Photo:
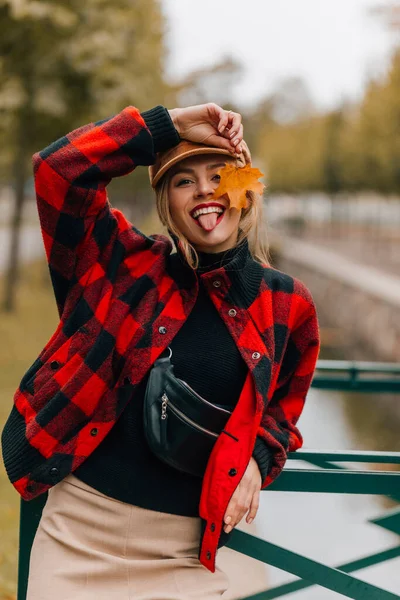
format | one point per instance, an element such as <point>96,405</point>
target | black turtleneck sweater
<point>206,357</point>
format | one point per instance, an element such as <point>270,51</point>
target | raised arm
<point>71,176</point>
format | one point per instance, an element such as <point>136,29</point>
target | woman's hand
<point>245,498</point>
<point>211,125</point>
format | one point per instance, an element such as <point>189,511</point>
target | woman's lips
<point>208,220</point>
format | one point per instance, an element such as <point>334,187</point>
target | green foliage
<point>351,148</point>
<point>66,62</point>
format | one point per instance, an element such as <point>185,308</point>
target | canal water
<point>331,528</point>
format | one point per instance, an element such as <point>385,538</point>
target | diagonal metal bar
<point>389,521</point>
<point>300,584</point>
<point>308,569</point>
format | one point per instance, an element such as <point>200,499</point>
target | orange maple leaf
<point>236,181</point>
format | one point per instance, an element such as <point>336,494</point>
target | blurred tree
<point>63,62</point>
<point>278,129</point>
<point>331,155</point>
<point>257,122</point>
<point>355,147</point>
<point>292,101</point>
<point>371,142</point>
<point>213,83</point>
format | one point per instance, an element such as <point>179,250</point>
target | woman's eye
<point>217,177</point>
<point>183,182</point>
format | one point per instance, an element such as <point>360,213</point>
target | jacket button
<point>94,431</point>
<point>232,472</point>
<point>54,472</point>
<point>217,283</point>
<point>212,526</point>
<point>54,364</point>
<point>208,555</point>
<point>232,312</point>
<point>255,355</point>
<point>162,330</point>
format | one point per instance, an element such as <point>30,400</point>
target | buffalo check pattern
<point>119,309</point>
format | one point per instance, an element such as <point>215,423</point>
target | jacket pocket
<point>42,372</point>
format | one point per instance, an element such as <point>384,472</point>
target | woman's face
<point>209,225</point>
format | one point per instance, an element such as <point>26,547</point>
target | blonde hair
<point>252,226</point>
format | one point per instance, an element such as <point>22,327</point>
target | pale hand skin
<point>211,125</point>
<point>246,498</point>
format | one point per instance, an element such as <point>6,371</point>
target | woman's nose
<point>204,188</point>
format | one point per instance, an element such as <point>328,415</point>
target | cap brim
<point>193,152</point>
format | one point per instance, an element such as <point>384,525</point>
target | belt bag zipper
<point>215,406</point>
<point>167,403</point>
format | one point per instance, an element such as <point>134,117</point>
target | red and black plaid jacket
<point>119,309</point>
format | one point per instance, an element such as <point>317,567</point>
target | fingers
<point>237,138</point>
<point>239,505</point>
<point>235,125</point>
<point>229,125</point>
<point>237,511</point>
<point>245,498</point>
<point>255,503</point>
<point>221,142</point>
<point>223,121</point>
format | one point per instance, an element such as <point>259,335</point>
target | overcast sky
<point>335,45</point>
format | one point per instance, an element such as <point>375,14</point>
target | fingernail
<point>228,520</point>
<point>228,529</point>
<point>250,520</point>
<point>231,135</point>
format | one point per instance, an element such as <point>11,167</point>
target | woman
<point>118,521</point>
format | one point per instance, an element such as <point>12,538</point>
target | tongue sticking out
<point>208,221</point>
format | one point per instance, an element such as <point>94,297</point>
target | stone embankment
<point>362,301</point>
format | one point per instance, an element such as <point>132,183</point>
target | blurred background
<point>318,85</point>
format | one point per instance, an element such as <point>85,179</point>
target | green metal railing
<point>357,376</point>
<point>326,476</point>
<point>329,478</point>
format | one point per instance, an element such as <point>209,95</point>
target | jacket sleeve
<point>278,434</point>
<point>71,176</point>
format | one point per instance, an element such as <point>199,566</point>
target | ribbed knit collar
<point>244,272</point>
<point>232,258</point>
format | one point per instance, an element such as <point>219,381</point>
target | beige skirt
<point>89,546</point>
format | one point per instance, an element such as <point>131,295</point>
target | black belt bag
<point>180,426</point>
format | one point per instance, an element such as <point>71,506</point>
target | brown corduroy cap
<point>169,158</point>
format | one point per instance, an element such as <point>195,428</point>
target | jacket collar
<point>238,266</point>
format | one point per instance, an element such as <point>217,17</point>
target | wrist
<point>174,114</point>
